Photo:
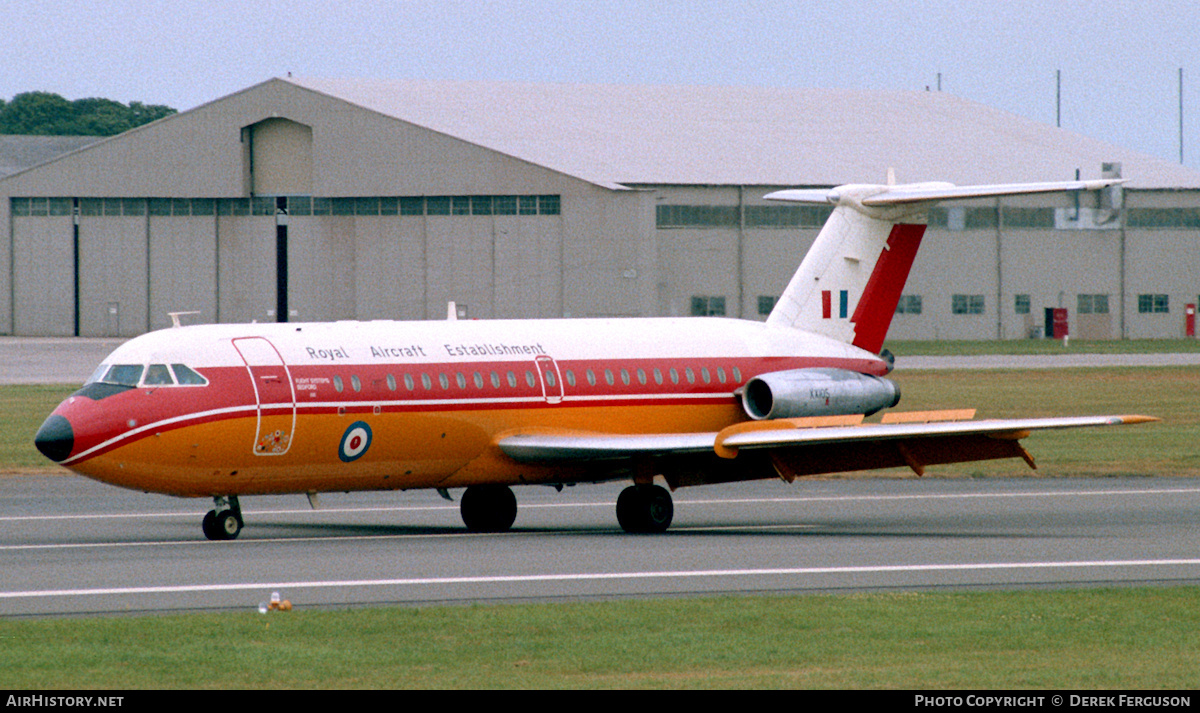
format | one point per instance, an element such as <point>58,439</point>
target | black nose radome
<point>55,439</point>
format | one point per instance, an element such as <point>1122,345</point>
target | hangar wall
<point>376,218</point>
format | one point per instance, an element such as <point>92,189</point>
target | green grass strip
<point>1135,638</point>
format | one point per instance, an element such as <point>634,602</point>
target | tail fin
<point>850,281</point>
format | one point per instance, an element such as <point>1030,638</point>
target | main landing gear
<point>224,522</point>
<point>645,509</point>
<point>488,508</point>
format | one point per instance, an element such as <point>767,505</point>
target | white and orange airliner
<point>228,410</point>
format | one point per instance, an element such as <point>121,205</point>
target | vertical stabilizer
<point>850,282</point>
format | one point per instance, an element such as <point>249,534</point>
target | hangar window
<point>389,206</point>
<point>549,205</point>
<point>1163,218</point>
<point>233,206</point>
<point>909,304</point>
<point>1092,304</point>
<point>505,205</point>
<point>412,206</point>
<point>1149,304</point>
<point>976,218</point>
<point>528,205</point>
<point>460,205</point>
<point>786,216</point>
<point>341,206</point>
<point>766,303</point>
<point>299,205</point>
<point>481,205</point>
<point>966,304</point>
<point>366,206</point>
<point>696,216</point>
<point>437,205</point>
<point>1021,304</point>
<point>705,306</point>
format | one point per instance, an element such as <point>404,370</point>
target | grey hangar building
<point>317,200</point>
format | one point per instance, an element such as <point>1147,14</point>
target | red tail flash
<point>873,315</point>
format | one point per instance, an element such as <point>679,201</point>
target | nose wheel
<point>225,521</point>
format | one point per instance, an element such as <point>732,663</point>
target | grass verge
<point>1139,638</point>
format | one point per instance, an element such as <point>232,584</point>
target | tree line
<point>47,114</point>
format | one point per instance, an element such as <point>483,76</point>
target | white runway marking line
<point>590,577</point>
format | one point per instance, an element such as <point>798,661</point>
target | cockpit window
<point>118,374</point>
<point>158,375</point>
<point>187,376</point>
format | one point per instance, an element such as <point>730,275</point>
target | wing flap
<point>808,447</point>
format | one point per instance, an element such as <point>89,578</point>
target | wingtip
<point>1134,418</point>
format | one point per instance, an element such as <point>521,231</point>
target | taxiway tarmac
<point>71,546</point>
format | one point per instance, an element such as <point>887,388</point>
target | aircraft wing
<point>809,446</point>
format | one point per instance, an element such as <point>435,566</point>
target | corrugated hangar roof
<point>697,135</point>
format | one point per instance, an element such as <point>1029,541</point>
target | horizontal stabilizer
<point>934,192</point>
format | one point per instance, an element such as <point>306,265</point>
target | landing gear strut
<point>488,508</point>
<point>645,509</point>
<point>224,522</point>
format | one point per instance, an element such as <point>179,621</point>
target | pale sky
<point>1120,61</point>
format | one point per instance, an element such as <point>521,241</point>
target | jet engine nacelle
<point>816,392</point>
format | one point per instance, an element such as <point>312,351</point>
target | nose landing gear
<point>224,522</point>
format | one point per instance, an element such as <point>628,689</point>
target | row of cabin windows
<point>610,377</point>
